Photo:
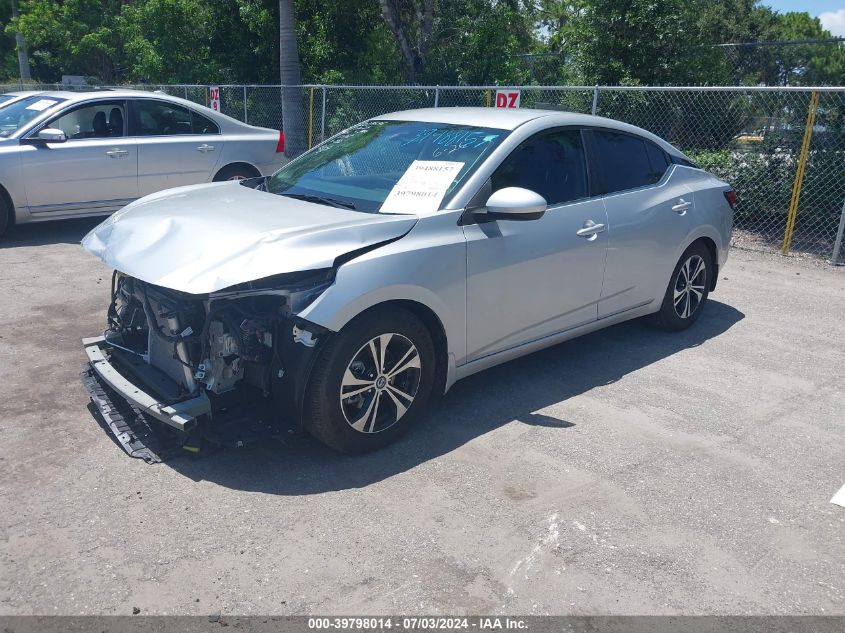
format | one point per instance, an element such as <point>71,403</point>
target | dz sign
<point>507,98</point>
<point>214,98</point>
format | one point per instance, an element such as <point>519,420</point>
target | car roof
<point>23,93</point>
<point>109,93</point>
<point>78,96</point>
<point>512,118</point>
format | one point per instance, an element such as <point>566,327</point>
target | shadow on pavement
<point>477,405</point>
<point>41,233</point>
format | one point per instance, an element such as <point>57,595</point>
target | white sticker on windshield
<point>422,187</point>
<point>41,104</point>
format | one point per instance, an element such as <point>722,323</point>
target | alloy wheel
<point>689,286</point>
<point>380,383</point>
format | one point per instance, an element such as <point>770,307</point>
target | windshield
<point>14,116</point>
<point>361,167</point>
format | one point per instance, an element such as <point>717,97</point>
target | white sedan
<point>72,154</point>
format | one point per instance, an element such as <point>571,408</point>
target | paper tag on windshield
<point>41,104</point>
<point>422,187</point>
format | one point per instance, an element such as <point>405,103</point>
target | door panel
<point>649,213</point>
<point>527,279</point>
<point>174,147</point>
<point>95,169</point>
<point>645,233</point>
<point>173,161</point>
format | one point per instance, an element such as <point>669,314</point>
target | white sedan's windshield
<point>360,168</point>
<point>14,116</point>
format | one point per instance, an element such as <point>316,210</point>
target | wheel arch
<point>711,247</point>
<point>238,163</point>
<point>435,327</point>
<point>10,206</point>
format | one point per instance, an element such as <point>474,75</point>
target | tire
<point>235,172</point>
<point>5,216</point>
<point>352,406</point>
<point>685,298</point>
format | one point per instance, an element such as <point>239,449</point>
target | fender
<point>430,273</point>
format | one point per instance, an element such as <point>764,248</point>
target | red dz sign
<point>507,98</point>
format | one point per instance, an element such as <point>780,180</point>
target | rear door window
<point>203,125</point>
<point>624,161</point>
<point>551,164</point>
<point>159,118</point>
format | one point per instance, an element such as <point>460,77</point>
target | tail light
<point>280,146</point>
<point>730,196</point>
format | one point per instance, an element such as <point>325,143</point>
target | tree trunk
<point>414,53</point>
<point>293,120</point>
<point>23,56</point>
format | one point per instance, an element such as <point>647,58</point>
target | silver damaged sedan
<point>74,154</point>
<point>365,277</point>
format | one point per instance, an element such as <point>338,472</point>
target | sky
<point>830,12</point>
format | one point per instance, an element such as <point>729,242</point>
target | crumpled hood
<point>204,238</point>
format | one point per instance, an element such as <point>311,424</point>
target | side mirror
<point>52,135</point>
<point>514,203</point>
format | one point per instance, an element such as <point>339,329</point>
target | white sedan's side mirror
<point>515,203</point>
<point>52,135</point>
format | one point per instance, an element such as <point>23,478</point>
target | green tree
<point>75,37</point>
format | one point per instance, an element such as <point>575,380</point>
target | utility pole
<point>23,57</point>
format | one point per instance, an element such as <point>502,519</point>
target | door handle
<point>590,230</point>
<point>205,148</point>
<point>117,153</point>
<point>681,207</point>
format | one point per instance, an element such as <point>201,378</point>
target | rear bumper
<point>181,415</point>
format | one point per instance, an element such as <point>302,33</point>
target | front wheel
<point>688,289</point>
<point>371,381</point>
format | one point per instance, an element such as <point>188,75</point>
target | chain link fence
<point>783,149</point>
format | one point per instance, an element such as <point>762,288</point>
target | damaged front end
<point>231,365</point>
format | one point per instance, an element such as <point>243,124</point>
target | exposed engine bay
<point>240,347</point>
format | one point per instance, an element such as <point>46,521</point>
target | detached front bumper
<point>180,415</point>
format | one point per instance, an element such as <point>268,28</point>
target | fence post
<point>323,118</point>
<point>186,93</point>
<point>838,244</point>
<point>595,101</point>
<point>436,96</point>
<point>310,118</point>
<point>245,113</point>
<point>799,174</point>
<point>487,94</point>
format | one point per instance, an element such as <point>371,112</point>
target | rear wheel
<point>688,289</point>
<point>235,172</point>
<point>371,381</point>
